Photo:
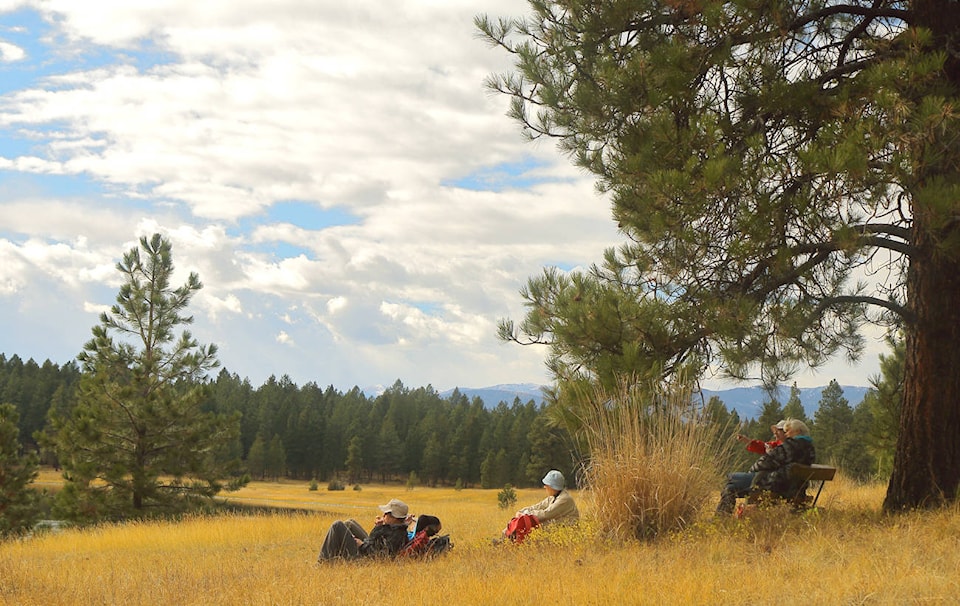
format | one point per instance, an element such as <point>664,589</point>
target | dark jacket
<point>773,468</point>
<point>385,540</point>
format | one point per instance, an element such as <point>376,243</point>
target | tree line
<point>308,432</point>
<point>311,433</point>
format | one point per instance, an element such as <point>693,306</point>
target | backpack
<point>519,527</point>
<point>426,542</point>
<point>424,545</point>
<point>439,544</point>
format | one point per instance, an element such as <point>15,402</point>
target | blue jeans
<point>738,485</point>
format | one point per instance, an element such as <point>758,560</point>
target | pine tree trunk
<point>926,469</point>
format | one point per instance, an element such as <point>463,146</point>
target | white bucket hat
<point>554,479</point>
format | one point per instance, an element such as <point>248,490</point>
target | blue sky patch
<point>21,185</point>
<point>27,30</point>
<point>510,175</point>
<point>295,212</point>
<point>12,146</point>
<point>286,250</point>
<point>429,308</point>
<point>32,139</point>
<point>567,267</point>
<point>278,249</point>
<point>305,215</point>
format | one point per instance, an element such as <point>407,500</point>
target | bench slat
<point>822,473</point>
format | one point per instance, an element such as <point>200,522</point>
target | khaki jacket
<point>560,507</point>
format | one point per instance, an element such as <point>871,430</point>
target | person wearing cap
<point>759,446</point>
<point>557,506</point>
<point>739,483</point>
<point>346,539</point>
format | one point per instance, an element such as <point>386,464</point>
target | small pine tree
<point>276,458</point>
<point>413,480</point>
<point>354,462</point>
<point>793,409</point>
<point>838,432</point>
<point>257,458</point>
<point>771,414</point>
<point>831,424</point>
<point>507,497</point>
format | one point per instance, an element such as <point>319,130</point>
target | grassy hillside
<point>848,553</point>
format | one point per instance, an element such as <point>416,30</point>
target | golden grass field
<point>847,553</point>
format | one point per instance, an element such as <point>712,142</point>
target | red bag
<point>519,527</point>
<point>418,546</point>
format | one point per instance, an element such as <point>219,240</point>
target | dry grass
<point>653,464</point>
<point>848,553</point>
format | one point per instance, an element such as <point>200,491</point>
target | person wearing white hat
<point>346,539</point>
<point>558,505</point>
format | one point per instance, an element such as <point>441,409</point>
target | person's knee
<point>340,529</point>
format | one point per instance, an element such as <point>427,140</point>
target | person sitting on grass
<point>346,539</point>
<point>425,540</point>
<point>558,505</point>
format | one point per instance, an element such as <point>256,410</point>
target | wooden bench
<point>801,474</point>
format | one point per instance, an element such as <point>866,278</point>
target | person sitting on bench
<point>739,482</point>
<point>773,468</point>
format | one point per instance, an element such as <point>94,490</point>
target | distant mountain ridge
<point>749,401</point>
<point>506,392</point>
<point>746,401</point>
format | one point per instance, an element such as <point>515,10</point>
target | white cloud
<point>213,306</point>
<point>95,308</point>
<point>336,304</point>
<point>366,113</point>
<point>11,52</point>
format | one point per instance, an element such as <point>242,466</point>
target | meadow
<point>845,553</point>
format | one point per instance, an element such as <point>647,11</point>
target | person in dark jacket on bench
<point>773,468</point>
<point>739,483</point>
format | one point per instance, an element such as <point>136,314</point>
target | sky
<point>357,204</point>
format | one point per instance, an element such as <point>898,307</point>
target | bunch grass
<point>654,461</point>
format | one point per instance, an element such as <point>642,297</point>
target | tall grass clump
<point>653,458</point>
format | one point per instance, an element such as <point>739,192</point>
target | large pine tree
<point>783,171</point>
<point>139,439</point>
